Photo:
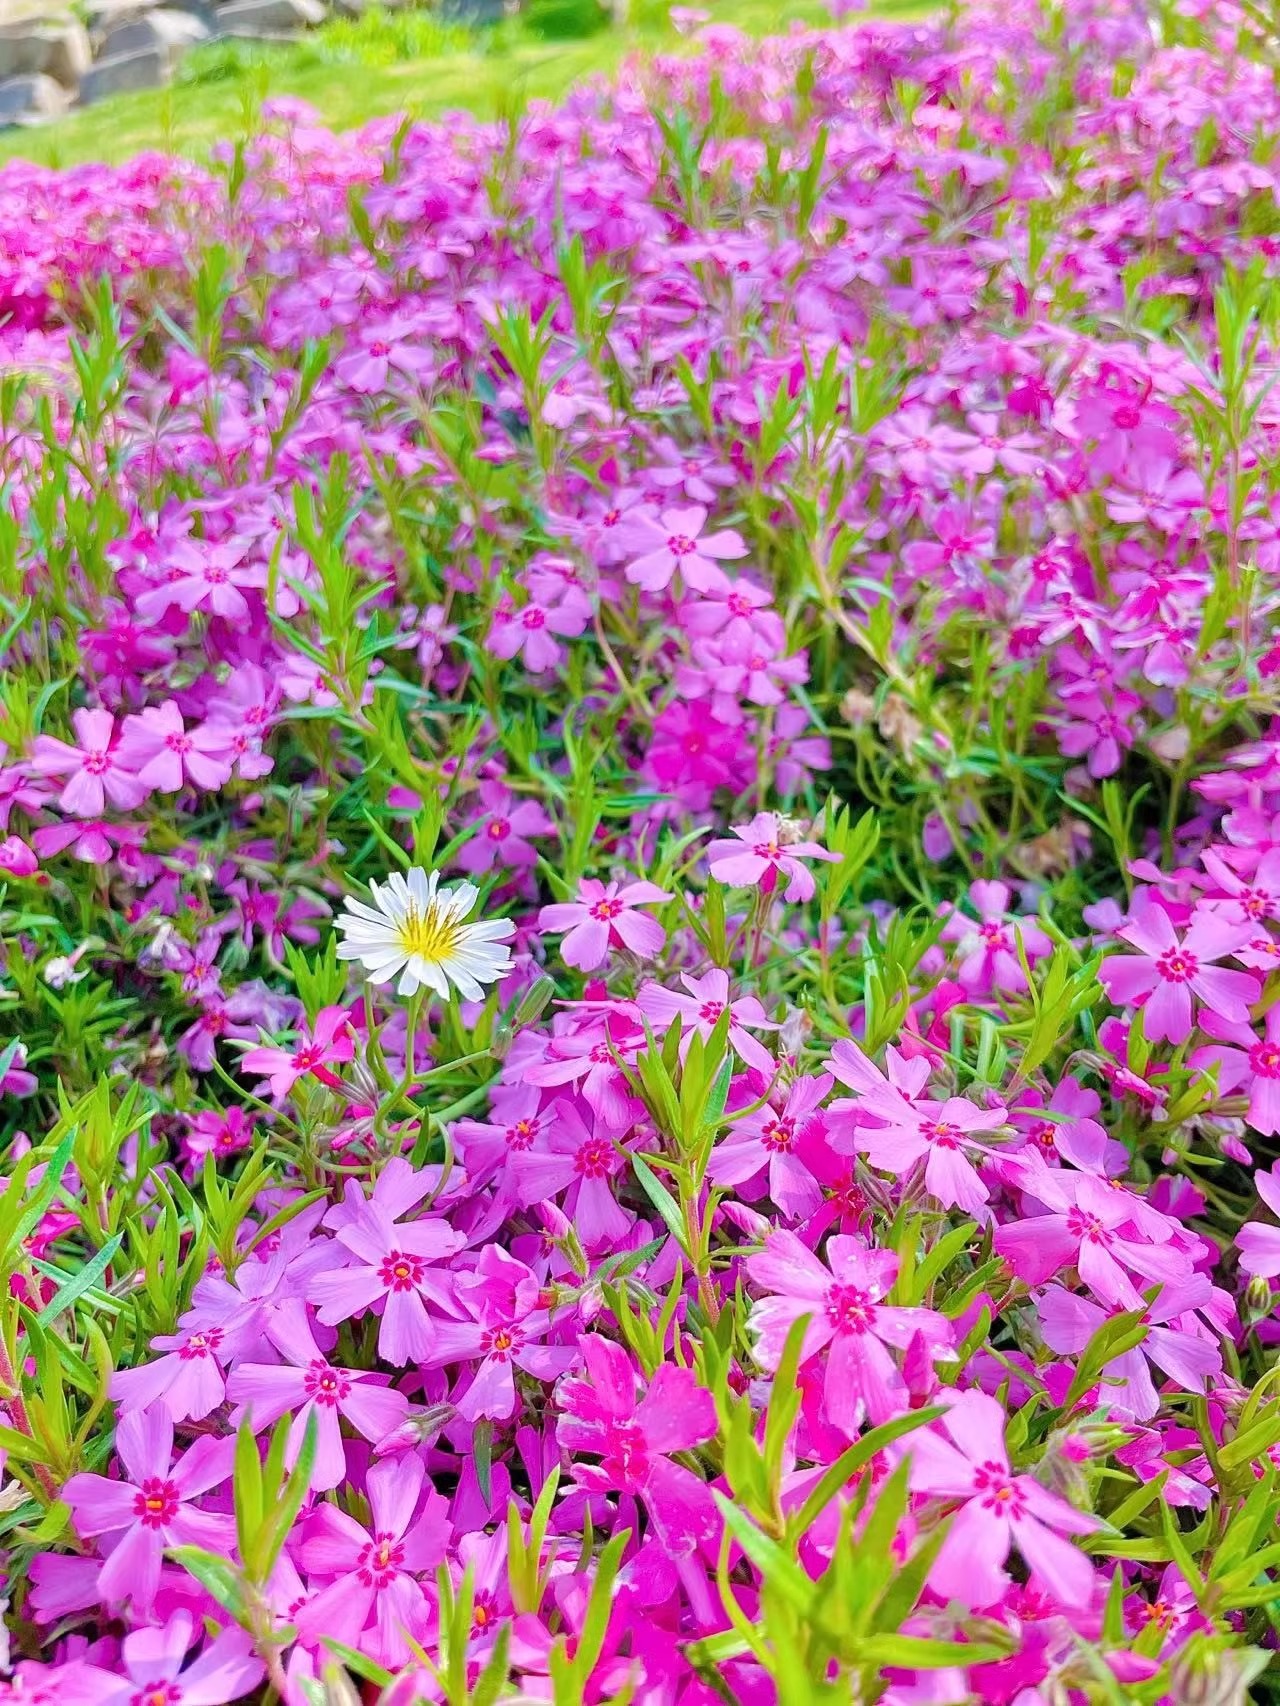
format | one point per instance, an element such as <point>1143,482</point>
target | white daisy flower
<point>418,929</point>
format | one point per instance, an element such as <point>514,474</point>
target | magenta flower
<point>1167,972</point>
<point>153,1507</point>
<point>770,1142</point>
<point>633,1435</point>
<point>151,1669</point>
<point>1175,1343</point>
<point>372,1598</point>
<point>603,918</point>
<point>895,1132</point>
<point>1246,1063</point>
<point>675,540</point>
<point>987,950</point>
<point>392,1267</point>
<point>507,1316</point>
<point>580,1160</point>
<point>699,1010</point>
<point>97,770</point>
<point>1258,1241</point>
<point>504,834</point>
<point>765,853</point>
<point>1090,1227</point>
<point>308,1385</point>
<point>963,1456</point>
<point>330,1043</point>
<point>531,630</point>
<point>188,1379</point>
<point>165,753</point>
<point>847,1318</point>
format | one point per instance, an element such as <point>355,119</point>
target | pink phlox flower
<point>157,744</point>
<point>987,950</point>
<point>604,918</point>
<point>765,852</point>
<point>218,1131</point>
<point>1257,1240</point>
<point>633,1435</point>
<point>16,858</point>
<point>896,1130</point>
<point>1168,971</point>
<point>587,1057</point>
<point>188,1378</point>
<point>329,1043</point>
<point>530,630</point>
<point>766,1150</point>
<point>506,1317</point>
<point>391,1268</point>
<point>580,1160</point>
<point>699,1009</point>
<point>506,825</point>
<point>675,540</point>
<point>98,769</point>
<point>1064,1128</point>
<point>394,347</point>
<point>151,1673</point>
<point>306,1384</point>
<point>1089,1225</point>
<point>847,1317</point>
<point>1244,900</point>
<point>1245,1063</point>
<point>372,1598</point>
<point>151,1506</point>
<point>205,576</point>
<point>1176,1343</point>
<point>516,1118</point>
<point>962,1456</point>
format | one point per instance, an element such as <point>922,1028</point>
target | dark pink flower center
<point>380,1561</point>
<point>400,1272</point>
<point>767,850</point>
<point>625,1454</point>
<point>499,1342</point>
<point>594,1159</point>
<point>158,1694</point>
<point>201,1345</point>
<point>178,742</point>
<point>325,1385</point>
<point>1176,965</point>
<point>850,1309</point>
<point>156,1502</point>
<point>998,1490</point>
<point>533,617</point>
<point>941,1134</point>
<point>778,1134</point>
<point>1086,1227</point>
<point>1265,1059</point>
<point>96,763</point>
<point>607,909</point>
<point>710,1011</point>
<point>521,1134</point>
<point>499,829</point>
<point>679,546</point>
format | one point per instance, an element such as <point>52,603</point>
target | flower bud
<point>16,858</point>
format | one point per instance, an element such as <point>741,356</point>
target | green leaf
<point>75,1288</point>
<point>662,1200</point>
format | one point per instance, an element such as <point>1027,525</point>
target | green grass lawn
<point>338,72</point>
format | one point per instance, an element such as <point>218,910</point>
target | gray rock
<point>30,99</point>
<point>269,17</point>
<point>170,32</point>
<point>58,48</point>
<point>144,68</point>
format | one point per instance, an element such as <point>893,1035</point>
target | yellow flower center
<point>428,934</point>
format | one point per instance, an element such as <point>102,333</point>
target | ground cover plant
<point>641,871</point>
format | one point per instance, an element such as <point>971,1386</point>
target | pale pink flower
<point>765,854</point>
<point>604,917</point>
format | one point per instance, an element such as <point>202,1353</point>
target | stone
<point>30,99</point>
<point>118,73</point>
<point>58,48</point>
<point>169,32</point>
<point>269,17</point>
